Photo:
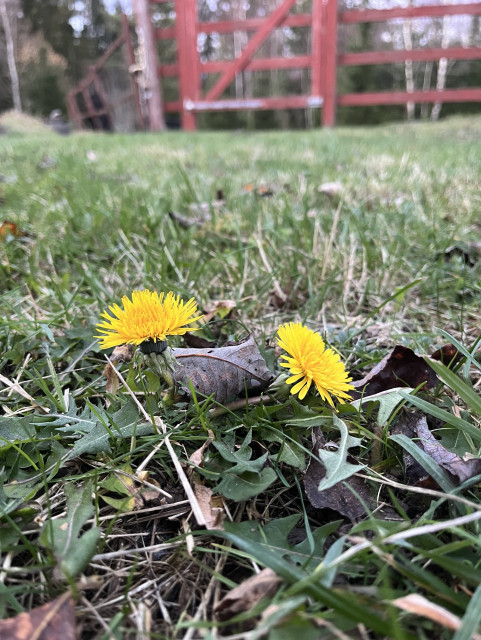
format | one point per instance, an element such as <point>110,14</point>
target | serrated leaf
<point>291,452</point>
<point>240,456</point>
<point>275,537</point>
<point>15,429</point>
<point>335,462</point>
<point>246,485</point>
<point>273,534</point>
<point>62,535</point>
<point>123,424</point>
<point>388,401</point>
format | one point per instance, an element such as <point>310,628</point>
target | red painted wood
<point>166,33</point>
<point>168,70</point>
<point>256,104</point>
<point>323,60</point>
<point>316,48</point>
<point>260,64</point>
<point>252,24</point>
<point>329,63</point>
<point>272,21</point>
<point>385,57</point>
<point>401,97</point>
<point>189,78</point>
<point>172,106</point>
<point>381,15</point>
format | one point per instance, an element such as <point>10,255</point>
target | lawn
<point>151,505</point>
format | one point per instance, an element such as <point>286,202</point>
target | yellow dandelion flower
<point>148,316</point>
<point>309,361</point>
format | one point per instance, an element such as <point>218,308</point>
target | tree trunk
<point>442,71</point>
<point>408,66</point>
<point>428,72</point>
<point>12,67</point>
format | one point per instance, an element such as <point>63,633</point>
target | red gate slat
<point>402,97</point>
<point>384,57</point>
<point>271,22</point>
<point>426,11</point>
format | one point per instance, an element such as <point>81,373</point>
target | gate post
<point>329,61</point>
<point>146,34</point>
<point>189,78</point>
<point>316,51</point>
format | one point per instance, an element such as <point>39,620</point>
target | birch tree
<point>12,67</point>
<point>442,70</point>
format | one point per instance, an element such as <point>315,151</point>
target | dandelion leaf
<point>330,483</point>
<point>72,551</point>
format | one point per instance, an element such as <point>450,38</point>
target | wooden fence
<point>323,60</point>
<point>91,105</point>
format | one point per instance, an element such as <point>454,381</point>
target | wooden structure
<point>89,104</point>
<point>323,60</point>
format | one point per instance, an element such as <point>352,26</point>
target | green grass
<point>366,266</point>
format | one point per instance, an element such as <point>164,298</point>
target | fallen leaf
<point>331,189</point>
<point>262,191</point>
<point>123,353</point>
<point>184,221</point>
<point>220,308</point>
<point>211,506</point>
<point>421,606</point>
<point>415,425</point>
<point>400,368</point>
<point>195,341</point>
<point>8,228</point>
<point>343,496</point>
<point>448,355</point>
<point>247,594</point>
<point>224,372</point>
<point>52,621</point>
<point>197,457</point>
<point>469,252</point>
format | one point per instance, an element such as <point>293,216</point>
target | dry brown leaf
<point>221,308</point>
<point>247,594</point>
<point>123,353</point>
<point>184,221</point>
<point>331,189</point>
<point>52,621</point>
<point>210,505</point>
<point>224,372</point>
<point>401,367</point>
<point>8,228</point>
<point>415,425</point>
<point>421,606</point>
<point>197,457</point>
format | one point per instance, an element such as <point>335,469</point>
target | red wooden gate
<point>323,60</point>
<point>89,104</point>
